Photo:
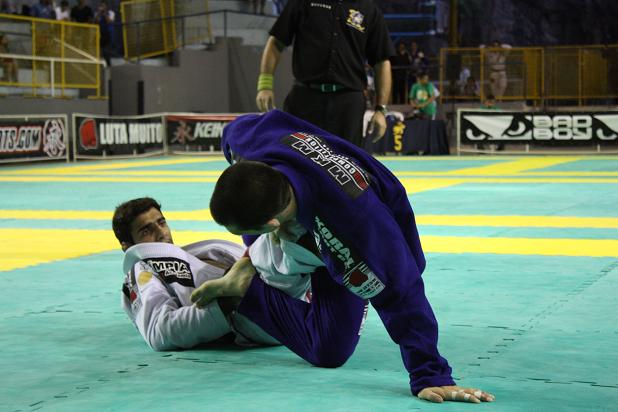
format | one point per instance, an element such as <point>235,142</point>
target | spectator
<point>496,60</point>
<point>401,63</point>
<point>419,62</point>
<point>43,10</point>
<point>63,13</point>
<point>422,97</point>
<point>105,19</point>
<point>81,13</point>
<point>471,88</point>
<point>9,65</point>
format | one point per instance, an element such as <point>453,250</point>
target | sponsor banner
<point>196,132</point>
<point>37,137</point>
<point>100,136</point>
<point>544,128</point>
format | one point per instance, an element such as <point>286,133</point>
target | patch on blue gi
<point>357,276</point>
<point>350,177</point>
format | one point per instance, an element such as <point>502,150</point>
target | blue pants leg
<point>324,332</point>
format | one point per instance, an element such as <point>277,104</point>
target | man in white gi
<point>160,278</point>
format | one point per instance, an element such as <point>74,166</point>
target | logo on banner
<point>183,133</point>
<point>357,277</point>
<point>355,20</point>
<point>522,127</point>
<point>88,139</point>
<point>352,179</point>
<point>53,138</point>
<point>20,139</point>
<point>398,128</point>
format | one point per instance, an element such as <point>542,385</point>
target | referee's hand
<point>377,126</point>
<point>265,100</point>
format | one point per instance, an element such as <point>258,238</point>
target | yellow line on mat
<point>194,215</point>
<point>27,247</point>
<point>204,215</point>
<point>521,246</point>
<point>516,166</point>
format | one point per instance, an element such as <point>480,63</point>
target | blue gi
<point>364,226</point>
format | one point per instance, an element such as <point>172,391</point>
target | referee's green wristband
<point>265,82</point>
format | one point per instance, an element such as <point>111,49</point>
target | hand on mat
<point>377,126</point>
<point>234,283</point>
<point>265,100</point>
<point>455,393</point>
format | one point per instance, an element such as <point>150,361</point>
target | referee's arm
<point>265,98</point>
<point>383,82</point>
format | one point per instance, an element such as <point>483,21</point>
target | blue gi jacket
<point>363,223</point>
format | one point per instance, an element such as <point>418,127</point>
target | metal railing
<point>160,36</point>
<point>576,74</point>
<point>51,54</point>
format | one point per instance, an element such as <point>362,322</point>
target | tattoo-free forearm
<point>383,81</point>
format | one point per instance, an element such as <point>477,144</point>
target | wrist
<point>381,108</point>
<point>265,82</point>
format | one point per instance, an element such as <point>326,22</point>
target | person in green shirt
<point>423,97</point>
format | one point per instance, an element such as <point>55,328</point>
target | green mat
<point>540,332</point>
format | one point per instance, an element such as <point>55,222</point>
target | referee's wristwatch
<point>381,108</point>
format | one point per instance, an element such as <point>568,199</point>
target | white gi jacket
<point>160,278</point>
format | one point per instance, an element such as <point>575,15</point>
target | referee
<point>332,41</point>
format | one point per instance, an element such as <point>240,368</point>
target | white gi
<point>161,277</point>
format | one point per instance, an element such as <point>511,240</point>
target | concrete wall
<point>219,80</point>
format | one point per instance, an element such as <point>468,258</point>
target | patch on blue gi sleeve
<point>349,176</point>
<point>357,276</point>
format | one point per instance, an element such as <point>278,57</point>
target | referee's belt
<point>323,87</point>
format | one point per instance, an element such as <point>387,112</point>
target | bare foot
<point>235,283</point>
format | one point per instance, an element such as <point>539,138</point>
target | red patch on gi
<point>133,296</point>
<point>357,278</point>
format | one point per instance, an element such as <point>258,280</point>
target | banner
<point>33,137</point>
<point>102,136</point>
<point>544,128</point>
<point>427,137</point>
<point>196,132</point>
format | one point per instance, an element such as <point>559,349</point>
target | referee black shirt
<point>332,39</point>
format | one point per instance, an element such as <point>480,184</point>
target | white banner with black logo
<point>33,137</point>
<point>539,128</point>
<point>96,136</point>
<point>188,132</point>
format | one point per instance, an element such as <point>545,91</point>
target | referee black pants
<point>340,113</point>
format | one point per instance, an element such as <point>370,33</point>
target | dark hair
<point>249,194</point>
<point>423,74</point>
<point>490,97</point>
<point>127,212</point>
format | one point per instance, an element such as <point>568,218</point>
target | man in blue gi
<point>309,187</point>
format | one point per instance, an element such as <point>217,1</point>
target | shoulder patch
<point>349,176</point>
<point>172,270</point>
<point>143,278</point>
